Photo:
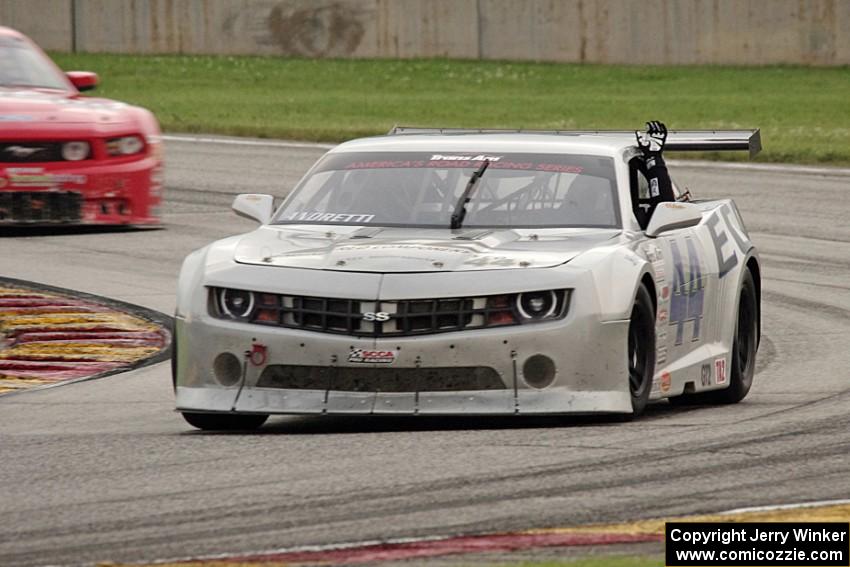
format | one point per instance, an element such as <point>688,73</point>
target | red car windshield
<point>422,189</point>
<point>23,66</point>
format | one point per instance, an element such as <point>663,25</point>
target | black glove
<point>651,142</point>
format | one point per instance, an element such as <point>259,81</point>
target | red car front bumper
<point>118,191</point>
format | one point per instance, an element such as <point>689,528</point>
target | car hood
<point>34,107</point>
<point>398,250</point>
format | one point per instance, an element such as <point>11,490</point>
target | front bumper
<point>589,358</point>
<point>106,192</point>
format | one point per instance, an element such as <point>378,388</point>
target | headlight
<point>235,303</point>
<point>124,146</point>
<point>540,305</point>
<point>75,151</point>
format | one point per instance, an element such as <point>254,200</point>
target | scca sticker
<point>363,356</point>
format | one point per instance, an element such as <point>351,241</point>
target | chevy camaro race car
<point>473,272</point>
<point>65,158</point>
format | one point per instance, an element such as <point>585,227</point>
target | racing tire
<point>744,347</point>
<point>225,421</point>
<point>641,351</point>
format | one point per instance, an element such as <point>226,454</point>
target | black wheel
<point>225,421</point>
<point>744,347</point>
<point>641,350</point>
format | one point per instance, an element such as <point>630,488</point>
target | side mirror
<point>254,206</point>
<point>673,216</point>
<point>83,80</point>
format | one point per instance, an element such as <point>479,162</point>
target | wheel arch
<point>753,265</point>
<point>649,283</point>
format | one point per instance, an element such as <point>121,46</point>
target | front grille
<point>365,318</point>
<point>30,152</point>
<point>40,206</point>
<point>348,379</point>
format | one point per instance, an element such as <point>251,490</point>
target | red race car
<point>65,158</point>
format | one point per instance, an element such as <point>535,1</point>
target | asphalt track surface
<point>106,471</point>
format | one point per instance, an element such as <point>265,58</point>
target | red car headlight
<point>124,146</point>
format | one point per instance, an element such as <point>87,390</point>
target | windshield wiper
<point>460,208</point>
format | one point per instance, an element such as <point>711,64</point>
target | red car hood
<point>34,108</point>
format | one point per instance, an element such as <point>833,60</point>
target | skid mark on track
<point>48,338</point>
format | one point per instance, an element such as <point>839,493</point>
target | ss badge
<point>376,316</point>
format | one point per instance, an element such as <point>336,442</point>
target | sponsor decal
<point>364,356</point>
<point>358,247</point>
<point>662,315</point>
<point>653,187</point>
<point>720,370</point>
<point>665,292</point>
<point>726,261</point>
<point>653,253</point>
<point>686,305</point>
<point>666,382</point>
<point>37,177</point>
<point>705,375</point>
<point>439,157</point>
<point>313,216</point>
<point>461,162</point>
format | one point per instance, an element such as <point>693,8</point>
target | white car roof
<point>582,144</point>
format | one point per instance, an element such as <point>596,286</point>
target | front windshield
<point>422,189</point>
<point>23,66</point>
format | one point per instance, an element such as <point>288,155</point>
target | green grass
<point>804,113</point>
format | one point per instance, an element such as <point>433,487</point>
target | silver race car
<point>438,272</point>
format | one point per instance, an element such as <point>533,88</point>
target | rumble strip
<point>49,337</point>
<point>589,535</point>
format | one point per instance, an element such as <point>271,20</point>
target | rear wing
<point>677,140</point>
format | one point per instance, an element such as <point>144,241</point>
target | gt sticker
<point>363,356</point>
<point>686,304</point>
<point>720,370</point>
